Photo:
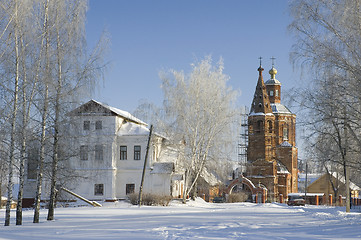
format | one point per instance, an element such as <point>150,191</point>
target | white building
<point>110,147</point>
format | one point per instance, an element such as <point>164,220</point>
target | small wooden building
<point>323,185</point>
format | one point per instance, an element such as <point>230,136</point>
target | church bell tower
<point>272,151</point>
<point>261,124</point>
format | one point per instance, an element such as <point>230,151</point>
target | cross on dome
<point>260,69</point>
<point>273,61</point>
<point>273,71</point>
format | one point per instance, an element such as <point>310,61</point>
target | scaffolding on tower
<point>243,140</point>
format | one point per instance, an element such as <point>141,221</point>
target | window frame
<point>123,154</point>
<point>99,189</point>
<point>84,152</point>
<point>270,126</point>
<point>129,188</point>
<point>137,153</point>
<point>86,125</point>
<point>98,125</point>
<point>99,152</point>
<point>259,125</point>
<point>285,133</point>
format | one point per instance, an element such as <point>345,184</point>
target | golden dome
<point>273,72</point>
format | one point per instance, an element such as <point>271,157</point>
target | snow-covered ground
<point>195,220</point>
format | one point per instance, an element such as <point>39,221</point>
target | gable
<point>95,108</point>
<point>323,180</point>
<point>92,108</point>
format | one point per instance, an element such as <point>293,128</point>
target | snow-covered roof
<point>307,194</point>
<point>311,177</point>
<point>279,108</point>
<point>285,144</point>
<point>210,178</point>
<point>163,167</point>
<point>131,129</point>
<point>342,179</point>
<point>134,129</point>
<point>260,114</point>
<point>121,113</point>
<point>281,168</point>
<point>272,82</point>
<point>256,176</point>
<point>177,177</point>
<point>87,108</point>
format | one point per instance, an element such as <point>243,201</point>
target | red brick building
<point>272,152</point>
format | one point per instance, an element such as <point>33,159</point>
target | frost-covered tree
<point>200,114</point>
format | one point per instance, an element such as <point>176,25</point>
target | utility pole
<point>145,165</point>
<point>348,194</point>
<point>306,182</point>
<point>345,167</point>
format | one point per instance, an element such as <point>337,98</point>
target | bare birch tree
<point>328,34</point>
<point>27,92</point>
<point>44,109</point>
<point>75,70</point>
<point>14,38</point>
<point>45,69</point>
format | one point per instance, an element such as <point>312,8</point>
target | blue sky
<point>149,36</point>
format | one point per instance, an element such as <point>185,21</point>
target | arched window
<point>270,127</point>
<point>285,133</point>
<point>259,125</point>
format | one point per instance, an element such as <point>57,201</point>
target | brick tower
<point>272,154</point>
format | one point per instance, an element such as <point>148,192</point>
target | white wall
<point>113,172</point>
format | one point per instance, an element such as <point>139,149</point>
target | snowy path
<point>196,220</point>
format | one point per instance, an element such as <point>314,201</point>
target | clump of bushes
<point>237,197</point>
<point>150,199</point>
<point>133,198</point>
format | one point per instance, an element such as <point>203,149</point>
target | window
<point>123,152</point>
<point>84,152</point>
<point>99,152</point>
<point>285,133</point>
<point>98,125</point>
<point>129,188</point>
<point>276,93</point>
<point>259,125</point>
<point>86,125</point>
<point>270,126</point>
<point>99,189</point>
<point>137,152</point>
<point>271,93</point>
<point>33,157</point>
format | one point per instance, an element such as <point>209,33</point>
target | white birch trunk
<point>13,122</point>
<point>59,86</point>
<point>43,119</point>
